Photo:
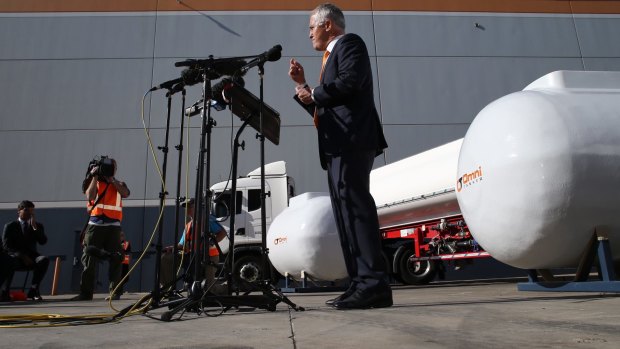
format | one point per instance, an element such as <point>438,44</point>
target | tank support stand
<point>599,245</point>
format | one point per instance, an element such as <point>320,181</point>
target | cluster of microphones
<point>231,69</point>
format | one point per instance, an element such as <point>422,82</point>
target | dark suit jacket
<point>348,119</point>
<point>17,243</point>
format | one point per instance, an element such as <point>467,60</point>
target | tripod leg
<point>285,299</point>
<point>182,304</point>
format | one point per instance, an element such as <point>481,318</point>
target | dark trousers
<point>7,268</point>
<point>124,272</point>
<point>355,213</point>
<point>39,268</point>
<point>107,238</point>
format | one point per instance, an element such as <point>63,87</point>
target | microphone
<point>191,76</point>
<point>217,101</point>
<point>196,108</point>
<point>271,55</point>
<point>99,253</point>
<point>223,85</point>
<point>188,77</point>
<point>167,85</point>
<point>187,63</point>
<point>176,88</point>
<point>214,68</point>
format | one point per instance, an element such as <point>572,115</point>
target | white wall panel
<point>50,165</point>
<point>421,34</point>
<point>407,140</point>
<point>598,36</point>
<point>447,90</point>
<point>201,35</point>
<point>59,36</point>
<point>604,64</point>
<point>73,94</point>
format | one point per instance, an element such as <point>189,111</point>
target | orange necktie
<point>316,112</point>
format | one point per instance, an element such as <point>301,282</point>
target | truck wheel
<point>248,270</point>
<point>416,273</point>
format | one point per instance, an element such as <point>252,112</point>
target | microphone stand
<point>197,297</point>
<point>156,294</point>
<point>202,204</point>
<point>195,293</point>
<point>263,194</point>
<point>162,196</point>
<point>271,296</point>
<point>178,200</point>
<point>267,286</point>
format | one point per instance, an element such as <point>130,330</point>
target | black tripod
<point>255,112</point>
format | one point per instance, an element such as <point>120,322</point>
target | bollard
<point>56,272</point>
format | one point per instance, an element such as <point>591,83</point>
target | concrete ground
<point>478,314</point>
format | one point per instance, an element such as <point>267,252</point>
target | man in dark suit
<point>20,239</point>
<point>350,137</point>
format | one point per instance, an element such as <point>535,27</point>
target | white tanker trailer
<point>419,218</point>
<point>536,173</point>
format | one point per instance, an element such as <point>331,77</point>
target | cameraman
<point>104,194</point>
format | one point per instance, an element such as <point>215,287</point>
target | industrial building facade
<point>74,74</point>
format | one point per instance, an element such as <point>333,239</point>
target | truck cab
<point>279,188</point>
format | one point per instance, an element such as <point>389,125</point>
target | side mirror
<point>220,211</point>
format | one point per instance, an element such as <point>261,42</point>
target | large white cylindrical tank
<point>417,188</point>
<point>539,170</point>
<point>304,238</point>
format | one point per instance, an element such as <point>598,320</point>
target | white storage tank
<point>303,240</point>
<point>539,170</point>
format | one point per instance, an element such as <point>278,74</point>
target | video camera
<point>104,164</point>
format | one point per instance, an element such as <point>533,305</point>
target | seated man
<point>168,273</point>
<point>20,238</point>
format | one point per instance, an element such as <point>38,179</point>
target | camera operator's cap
<point>187,202</point>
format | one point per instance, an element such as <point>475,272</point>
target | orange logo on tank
<point>469,179</point>
<point>279,241</point>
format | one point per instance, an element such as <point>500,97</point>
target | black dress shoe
<point>346,294</point>
<point>34,294</point>
<point>366,299</point>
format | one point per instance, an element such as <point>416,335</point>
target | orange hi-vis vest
<point>125,246</point>
<point>111,205</point>
<point>189,235</point>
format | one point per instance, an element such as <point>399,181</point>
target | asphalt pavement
<point>473,314</point>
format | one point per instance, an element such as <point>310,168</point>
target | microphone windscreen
<point>191,76</point>
<point>274,53</point>
<point>229,84</point>
<point>217,91</point>
<point>231,67</point>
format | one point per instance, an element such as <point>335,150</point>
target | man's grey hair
<point>329,11</point>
